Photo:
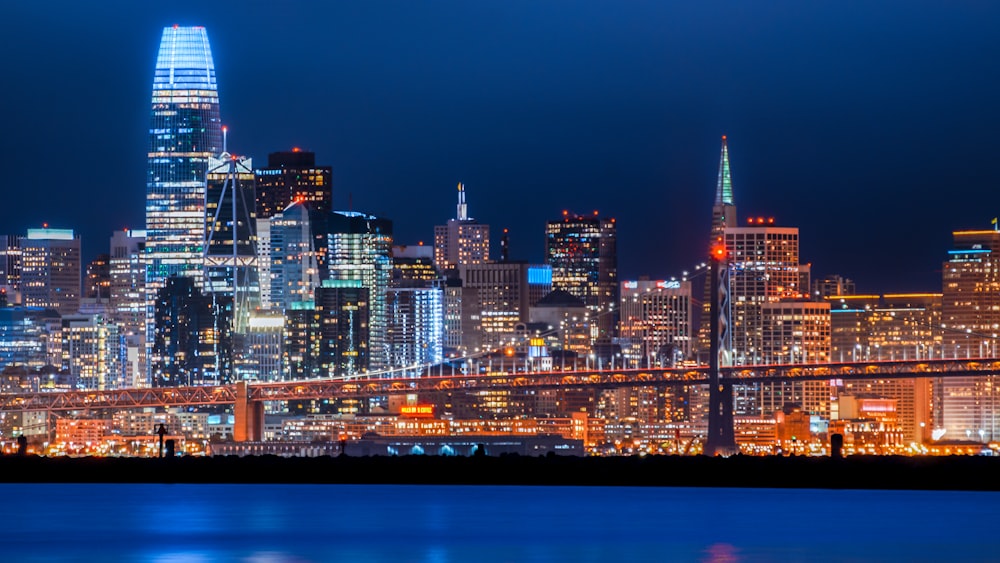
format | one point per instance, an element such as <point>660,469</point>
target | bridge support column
<point>248,416</point>
<point>721,439</point>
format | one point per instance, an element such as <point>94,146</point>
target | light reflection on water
<point>445,524</point>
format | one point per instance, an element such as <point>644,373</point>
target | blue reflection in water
<point>445,524</point>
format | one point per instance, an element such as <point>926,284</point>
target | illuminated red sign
<point>417,411</point>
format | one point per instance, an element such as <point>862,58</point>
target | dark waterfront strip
<point>855,472</point>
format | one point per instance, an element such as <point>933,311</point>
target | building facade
<point>51,270</point>
<point>655,326</point>
<point>415,333</point>
<point>185,131</point>
<point>965,407</point>
<point>359,247</point>
<point>193,340</point>
<point>505,291</point>
<point>462,240</point>
<point>583,253</point>
<point>294,271</point>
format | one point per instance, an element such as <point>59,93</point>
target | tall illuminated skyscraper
<point>723,216</point>
<point>184,132</point>
<point>293,270</point>
<point>462,241</point>
<point>230,259</point>
<point>965,407</point>
<point>50,270</point>
<point>360,248</point>
<point>583,253</point>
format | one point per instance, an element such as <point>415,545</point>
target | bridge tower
<point>721,439</point>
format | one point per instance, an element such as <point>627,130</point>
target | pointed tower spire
<point>724,208</point>
<point>724,189</point>
<point>463,214</point>
<point>723,217</point>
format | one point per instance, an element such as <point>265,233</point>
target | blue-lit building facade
<point>22,336</point>
<point>184,132</point>
<point>415,328</point>
<point>359,247</point>
<point>294,268</point>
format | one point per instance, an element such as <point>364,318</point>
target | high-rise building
<point>264,346</point>
<point>290,177</point>
<point>293,177</point>
<point>890,327</point>
<point>655,326</point>
<point>413,266</point>
<point>185,131</point>
<point>343,307</point>
<point>231,236</point>
<point>97,284</point>
<point>583,253</point>
<point>723,217</point>
<point>264,261</point>
<point>294,273</point>
<point>965,407</point>
<point>92,352</point>
<point>328,336</point>
<point>127,296</point>
<point>462,240</point>
<point>360,248</point>
<point>193,341</point>
<point>505,292</point>
<point>793,332</point>
<point>22,338</point>
<point>50,269</point>
<point>462,329</point>
<point>764,268</point>
<point>231,275</point>
<point>770,320</point>
<point>127,300</point>
<point>10,261</point>
<point>300,349</point>
<point>895,326</point>
<point>415,331</point>
<point>565,320</point>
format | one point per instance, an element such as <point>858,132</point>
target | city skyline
<point>538,110</point>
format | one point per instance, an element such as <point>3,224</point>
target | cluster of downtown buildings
<point>246,272</point>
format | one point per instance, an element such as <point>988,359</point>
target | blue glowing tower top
<point>184,61</point>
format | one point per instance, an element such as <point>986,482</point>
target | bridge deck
<point>362,386</point>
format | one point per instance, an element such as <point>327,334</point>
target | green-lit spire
<point>724,190</point>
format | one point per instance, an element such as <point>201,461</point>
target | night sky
<point>867,126</point>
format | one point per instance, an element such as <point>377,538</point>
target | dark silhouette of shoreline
<point>855,472</point>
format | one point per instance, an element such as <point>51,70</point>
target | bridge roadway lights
<point>248,416</point>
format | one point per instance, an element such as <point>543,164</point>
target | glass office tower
<point>184,132</point>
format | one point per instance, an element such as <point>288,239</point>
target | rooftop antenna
<point>504,247</point>
<point>463,214</point>
<point>225,137</point>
